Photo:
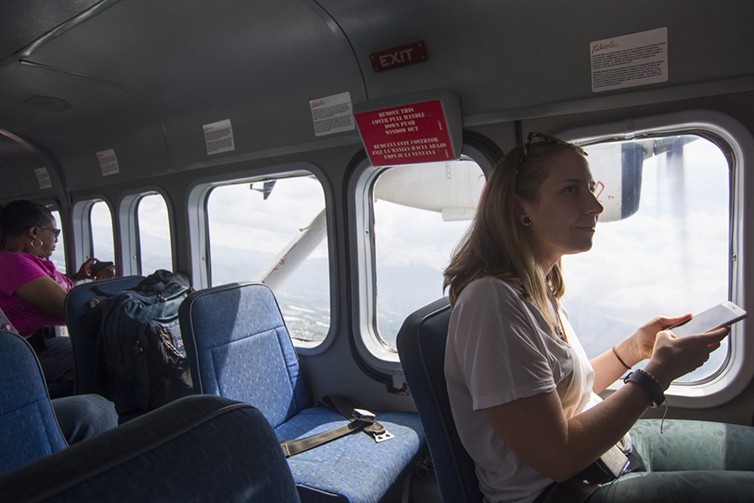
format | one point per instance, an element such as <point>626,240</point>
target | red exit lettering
<point>398,56</point>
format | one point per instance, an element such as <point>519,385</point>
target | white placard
<point>332,114</point>
<point>108,162</point>
<point>219,137</point>
<point>630,60</point>
<point>43,178</point>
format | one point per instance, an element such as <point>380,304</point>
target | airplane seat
<point>83,340</point>
<point>239,348</point>
<point>29,429</point>
<point>197,448</point>
<point>421,345</point>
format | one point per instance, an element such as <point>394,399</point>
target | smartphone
<point>99,267</point>
<point>724,314</point>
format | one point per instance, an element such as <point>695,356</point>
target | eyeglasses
<point>51,229</point>
<point>535,139</point>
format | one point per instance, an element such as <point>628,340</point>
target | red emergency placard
<point>406,134</point>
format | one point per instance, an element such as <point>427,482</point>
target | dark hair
<point>17,216</point>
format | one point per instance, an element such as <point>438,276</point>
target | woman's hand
<point>674,356</point>
<point>614,363</point>
<point>106,273</point>
<point>640,345</point>
<point>88,268</point>
<point>85,271</point>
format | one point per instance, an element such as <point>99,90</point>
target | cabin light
<point>48,103</point>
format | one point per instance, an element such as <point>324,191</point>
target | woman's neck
<point>17,244</point>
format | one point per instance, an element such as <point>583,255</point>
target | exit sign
<point>398,56</point>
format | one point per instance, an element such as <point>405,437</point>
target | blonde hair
<point>496,243</point>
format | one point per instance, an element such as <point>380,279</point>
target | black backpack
<point>145,365</point>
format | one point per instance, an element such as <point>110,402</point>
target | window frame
<point>198,230</point>
<point>737,144</point>
<point>62,223</point>
<point>82,243</point>
<point>128,225</point>
<point>368,346</point>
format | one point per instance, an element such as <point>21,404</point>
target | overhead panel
<point>195,63</point>
<point>101,116</point>
<point>505,61</point>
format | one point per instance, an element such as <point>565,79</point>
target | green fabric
<point>691,461</point>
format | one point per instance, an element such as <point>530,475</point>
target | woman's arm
<point>607,366</point>
<point>537,431</point>
<point>45,293</point>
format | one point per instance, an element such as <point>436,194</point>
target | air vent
<point>48,103</point>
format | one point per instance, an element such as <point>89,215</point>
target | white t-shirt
<point>499,350</point>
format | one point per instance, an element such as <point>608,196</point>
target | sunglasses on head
<point>535,139</point>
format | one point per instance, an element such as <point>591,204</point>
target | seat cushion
<point>352,468</point>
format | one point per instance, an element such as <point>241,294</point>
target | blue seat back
<point>239,348</point>
<point>421,346</point>
<point>28,428</point>
<point>197,448</point>
<point>77,304</point>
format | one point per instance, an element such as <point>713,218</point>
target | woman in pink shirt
<point>33,291</point>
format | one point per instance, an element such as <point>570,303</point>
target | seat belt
<point>359,420</point>
<point>347,410</point>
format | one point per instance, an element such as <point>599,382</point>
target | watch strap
<point>649,384</point>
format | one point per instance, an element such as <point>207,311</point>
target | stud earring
<point>526,221</point>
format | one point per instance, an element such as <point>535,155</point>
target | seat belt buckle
<point>381,437</point>
<point>373,428</point>
<point>363,415</point>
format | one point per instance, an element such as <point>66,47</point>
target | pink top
<point>17,269</point>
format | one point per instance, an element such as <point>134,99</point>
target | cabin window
<point>101,224</point>
<point>662,245</point>
<point>274,230</point>
<point>420,214</point>
<point>154,234</point>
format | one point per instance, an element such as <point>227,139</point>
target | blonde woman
<point>522,390</point>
